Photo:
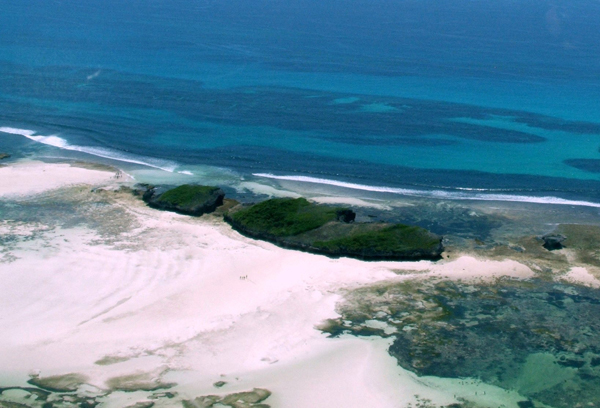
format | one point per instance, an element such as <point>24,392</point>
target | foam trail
<point>451,195</point>
<point>95,151</point>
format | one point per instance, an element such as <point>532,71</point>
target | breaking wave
<point>106,153</point>
<point>463,194</point>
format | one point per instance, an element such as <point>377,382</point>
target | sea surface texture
<point>445,98</point>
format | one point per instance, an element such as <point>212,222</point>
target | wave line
<point>106,153</point>
<point>440,194</point>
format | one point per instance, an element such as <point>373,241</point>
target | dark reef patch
<point>174,112</point>
<point>589,165</point>
<point>406,121</point>
<point>496,332</point>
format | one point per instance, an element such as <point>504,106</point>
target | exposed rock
<point>219,384</point>
<point>189,199</point>
<point>298,224</point>
<point>137,382</point>
<point>346,215</point>
<point>141,404</point>
<point>4,156</point>
<point>159,395</point>
<point>206,401</point>
<point>8,404</point>
<point>250,397</point>
<point>245,399</point>
<point>59,383</point>
<point>553,241</point>
<point>37,393</point>
<point>89,403</point>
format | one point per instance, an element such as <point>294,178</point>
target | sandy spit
<point>191,302</point>
<point>34,177</point>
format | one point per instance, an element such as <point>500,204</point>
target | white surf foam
<point>15,131</point>
<point>451,195</point>
<point>106,153</point>
<point>94,75</point>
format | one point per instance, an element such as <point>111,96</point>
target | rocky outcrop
<point>553,241</point>
<point>189,199</point>
<point>297,224</point>
<point>345,215</point>
<point>58,383</point>
<point>249,399</point>
<point>4,156</point>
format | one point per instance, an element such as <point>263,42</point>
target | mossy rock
<point>396,240</point>
<point>189,199</point>
<point>299,224</point>
<point>284,217</point>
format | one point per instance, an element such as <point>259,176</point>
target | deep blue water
<point>447,95</point>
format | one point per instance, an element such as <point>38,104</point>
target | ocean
<point>482,100</point>
<point>476,119</point>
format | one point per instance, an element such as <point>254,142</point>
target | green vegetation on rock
<point>190,199</point>
<point>187,195</point>
<point>392,239</point>
<point>299,224</point>
<point>284,217</point>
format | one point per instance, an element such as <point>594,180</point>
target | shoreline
<point>159,298</point>
<point>527,192</point>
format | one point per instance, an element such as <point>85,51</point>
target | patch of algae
<point>500,332</point>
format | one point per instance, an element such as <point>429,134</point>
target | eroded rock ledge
<point>299,224</point>
<point>189,199</point>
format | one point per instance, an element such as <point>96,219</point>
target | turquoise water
<point>443,99</point>
<point>451,96</point>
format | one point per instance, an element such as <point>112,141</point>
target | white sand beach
<point>181,302</point>
<point>33,177</point>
